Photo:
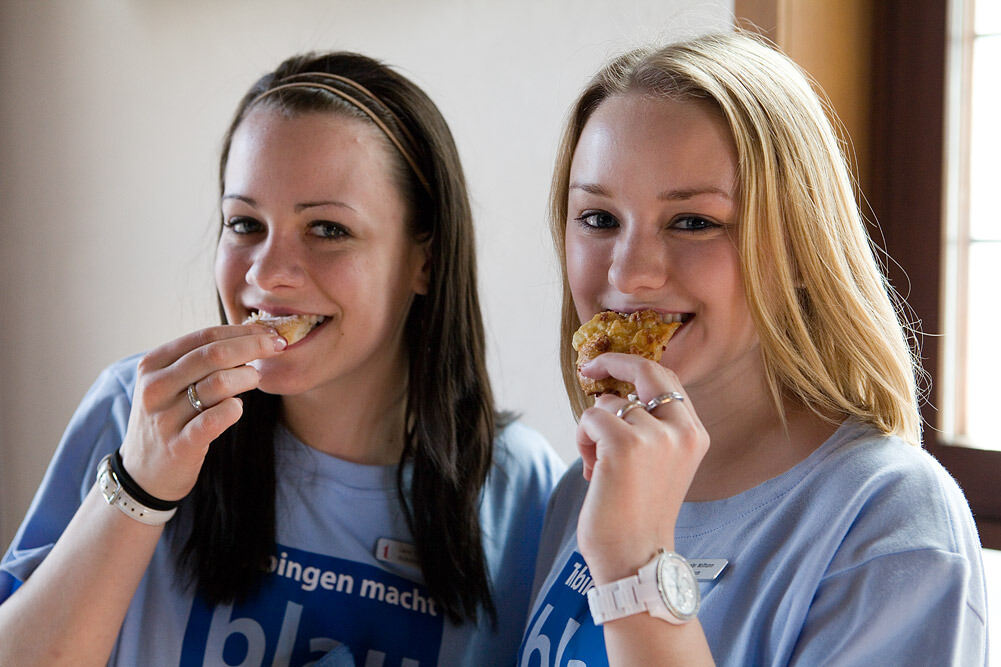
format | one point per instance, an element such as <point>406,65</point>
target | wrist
<point>136,490</point>
<point>614,562</point>
<point>121,491</point>
<point>606,570</point>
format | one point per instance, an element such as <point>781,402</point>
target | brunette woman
<point>263,500</point>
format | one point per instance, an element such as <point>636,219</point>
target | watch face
<point>678,586</point>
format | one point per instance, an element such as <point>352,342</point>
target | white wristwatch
<point>115,494</point>
<point>665,588</point>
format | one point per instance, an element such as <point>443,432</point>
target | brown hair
<point>450,418</point>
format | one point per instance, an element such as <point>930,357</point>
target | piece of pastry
<point>644,333</point>
<point>292,328</point>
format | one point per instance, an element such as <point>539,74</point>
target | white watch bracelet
<point>665,588</point>
<point>115,494</point>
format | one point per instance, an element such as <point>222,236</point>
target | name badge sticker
<point>396,552</point>
<point>708,569</point>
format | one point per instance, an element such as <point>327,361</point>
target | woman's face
<point>652,224</point>
<point>314,224</point>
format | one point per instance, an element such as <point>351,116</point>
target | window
<point>913,42</point>
<point>972,362</point>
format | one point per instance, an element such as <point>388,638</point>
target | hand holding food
<point>185,397</point>
<point>644,333</point>
<point>640,463</point>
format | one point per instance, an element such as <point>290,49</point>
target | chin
<point>278,388</point>
<point>279,381</point>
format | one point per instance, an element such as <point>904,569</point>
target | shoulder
<point>109,398</point>
<point>522,452</point>
<point>522,476</point>
<point>894,496</point>
<point>110,395</point>
<point>566,501</point>
<point>118,378</point>
<point>513,503</point>
<point>560,526</point>
<point>887,529</point>
<point>866,464</point>
<point>572,487</point>
<point>98,425</point>
<point>95,429</point>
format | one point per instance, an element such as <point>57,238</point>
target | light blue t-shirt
<point>341,580</point>
<point>865,553</point>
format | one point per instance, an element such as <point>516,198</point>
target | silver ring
<point>633,403</point>
<point>196,402</point>
<point>658,401</point>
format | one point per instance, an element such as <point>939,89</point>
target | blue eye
<point>692,223</point>
<point>242,225</point>
<point>329,230</point>
<point>597,220</point>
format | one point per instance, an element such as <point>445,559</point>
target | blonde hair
<point>831,335</point>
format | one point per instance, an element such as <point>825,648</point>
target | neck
<point>361,420</point>
<point>749,442</point>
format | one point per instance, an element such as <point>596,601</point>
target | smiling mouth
<point>666,318</point>
<point>681,318</point>
<point>292,328</point>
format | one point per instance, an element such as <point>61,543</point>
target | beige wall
<point>111,116</point>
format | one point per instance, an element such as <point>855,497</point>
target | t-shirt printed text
<point>308,605</point>
<point>562,633</point>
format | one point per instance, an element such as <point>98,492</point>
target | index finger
<point>650,378</point>
<point>170,352</point>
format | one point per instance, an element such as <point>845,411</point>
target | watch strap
<point>115,494</point>
<point>633,595</point>
<point>615,600</point>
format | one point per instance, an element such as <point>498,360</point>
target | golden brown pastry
<point>292,328</point>
<point>644,333</point>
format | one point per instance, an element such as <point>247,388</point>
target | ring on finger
<point>663,399</point>
<point>196,402</point>
<point>632,404</point>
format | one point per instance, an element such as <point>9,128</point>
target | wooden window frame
<point>907,194</point>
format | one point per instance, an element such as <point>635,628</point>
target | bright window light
<point>973,363</point>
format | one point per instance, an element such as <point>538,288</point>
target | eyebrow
<point>680,194</point>
<point>691,193</point>
<point>298,207</point>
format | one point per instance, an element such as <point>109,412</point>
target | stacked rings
<point>658,401</point>
<point>649,406</point>
<point>633,403</point>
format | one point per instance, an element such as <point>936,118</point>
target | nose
<point>276,263</point>
<point>639,262</point>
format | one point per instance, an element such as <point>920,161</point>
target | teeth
<point>265,316</point>
<point>666,318</point>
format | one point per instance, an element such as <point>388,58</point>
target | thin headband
<point>358,104</point>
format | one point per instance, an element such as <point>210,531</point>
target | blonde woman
<point>769,465</point>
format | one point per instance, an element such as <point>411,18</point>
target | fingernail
<point>280,343</point>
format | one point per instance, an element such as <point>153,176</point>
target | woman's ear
<point>422,279</point>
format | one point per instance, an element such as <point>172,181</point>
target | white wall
<point>111,115</point>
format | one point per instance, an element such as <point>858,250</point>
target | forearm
<point>71,608</point>
<point>644,640</point>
